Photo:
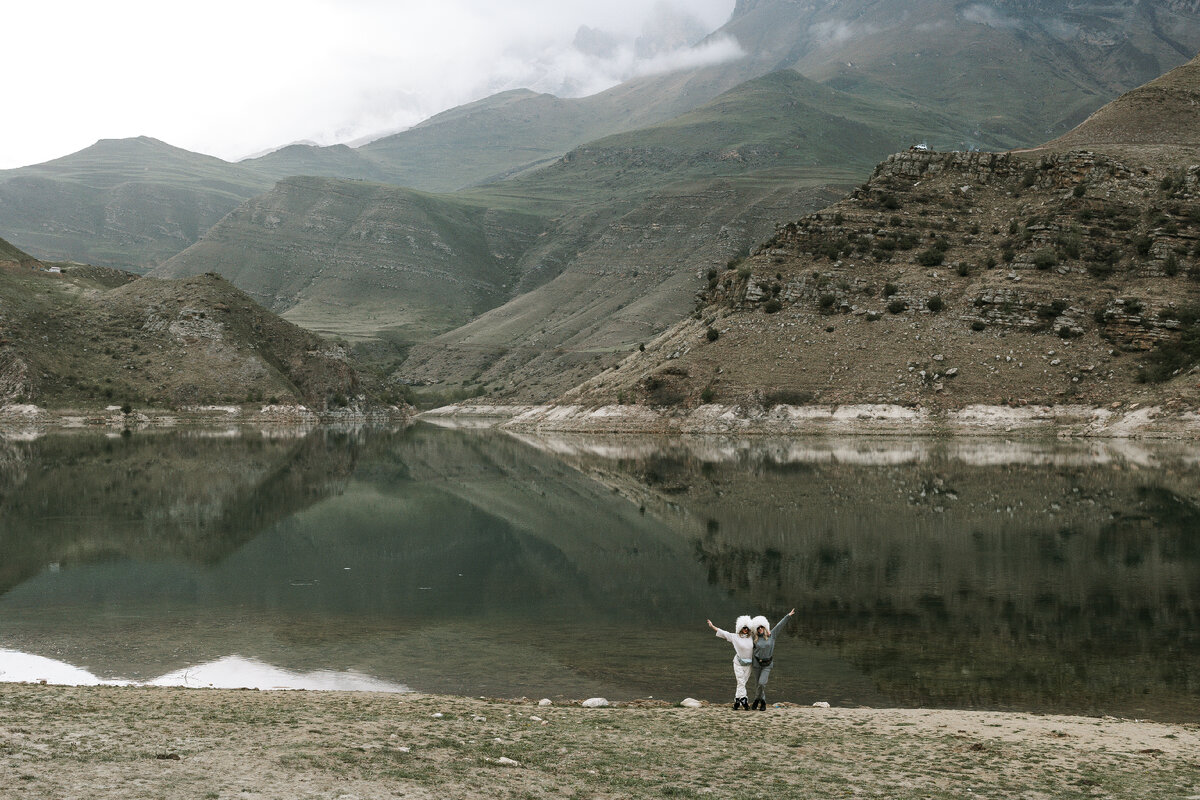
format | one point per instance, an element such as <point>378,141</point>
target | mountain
<point>1019,70</point>
<point>88,336</point>
<point>121,202</point>
<point>356,258</point>
<point>588,255</point>
<point>11,256</point>
<point>1009,73</point>
<point>1164,112</point>
<point>1052,276</point>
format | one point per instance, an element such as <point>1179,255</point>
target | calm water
<point>969,573</point>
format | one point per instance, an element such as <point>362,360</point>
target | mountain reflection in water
<point>974,573</point>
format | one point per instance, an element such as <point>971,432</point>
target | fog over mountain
<point>231,79</point>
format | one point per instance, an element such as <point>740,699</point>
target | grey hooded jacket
<point>764,649</point>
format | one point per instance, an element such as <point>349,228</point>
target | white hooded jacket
<point>743,646</point>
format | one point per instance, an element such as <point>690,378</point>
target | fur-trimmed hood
<point>759,621</point>
<point>744,621</point>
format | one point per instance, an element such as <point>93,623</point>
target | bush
<point>931,257</point>
<point>827,300</point>
<point>890,289</point>
<point>1171,266</point>
<point>772,306</point>
<point>935,303</point>
<point>1171,357</point>
<point>706,396</point>
<point>1045,258</point>
<point>896,306</point>
<point>1142,245</point>
<point>978,325</point>
<point>1079,191</point>
<point>712,334</point>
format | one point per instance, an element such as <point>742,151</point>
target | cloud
<point>986,15</point>
<point>835,32</point>
<point>231,78</point>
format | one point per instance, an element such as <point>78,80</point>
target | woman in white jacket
<point>743,658</point>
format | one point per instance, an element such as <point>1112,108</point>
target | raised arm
<point>720,633</point>
<point>779,624</point>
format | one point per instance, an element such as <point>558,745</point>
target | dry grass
<point>168,743</point>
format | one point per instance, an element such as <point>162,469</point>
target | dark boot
<point>760,703</point>
<point>737,704</point>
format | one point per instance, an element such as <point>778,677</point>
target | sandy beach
<point>119,742</point>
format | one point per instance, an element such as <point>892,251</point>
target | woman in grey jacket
<point>764,657</point>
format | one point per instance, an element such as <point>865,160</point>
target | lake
<point>972,573</point>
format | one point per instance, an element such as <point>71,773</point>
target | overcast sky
<point>235,77</point>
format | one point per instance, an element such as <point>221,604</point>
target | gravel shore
<point>121,742</point>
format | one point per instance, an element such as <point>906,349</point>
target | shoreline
<point>23,420</point>
<point>135,742</point>
<point>1120,421</point>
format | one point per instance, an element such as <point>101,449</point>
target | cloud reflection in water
<point>231,672</point>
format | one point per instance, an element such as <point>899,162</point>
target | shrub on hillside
<point>1172,357</point>
<point>935,303</point>
<point>772,306</point>
<point>1045,258</point>
<point>896,306</point>
<point>931,257</point>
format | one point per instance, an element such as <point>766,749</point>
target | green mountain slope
<point>1018,70</point>
<point>1009,73</point>
<point>337,161</point>
<point>726,173</point>
<point>126,202</point>
<point>357,258</point>
<point>665,204</point>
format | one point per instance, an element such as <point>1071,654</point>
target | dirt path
<point>125,743</point>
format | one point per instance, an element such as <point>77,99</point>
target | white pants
<point>741,674</point>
